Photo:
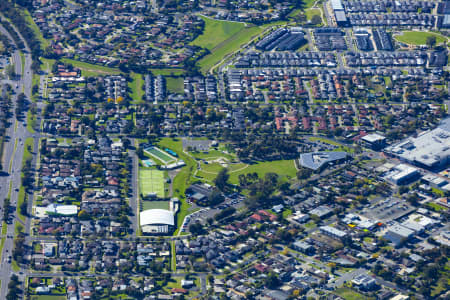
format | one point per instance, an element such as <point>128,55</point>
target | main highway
<point>13,151</point>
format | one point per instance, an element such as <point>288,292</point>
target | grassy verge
<point>183,179</point>
<point>26,156</point>
<point>37,32</point>
<point>15,267</point>
<point>90,70</point>
<point>31,121</point>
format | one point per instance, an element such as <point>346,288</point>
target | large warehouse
<point>157,221</point>
<point>430,150</point>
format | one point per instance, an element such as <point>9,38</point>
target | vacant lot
<point>222,38</point>
<point>216,32</point>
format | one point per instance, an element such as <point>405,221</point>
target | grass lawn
<point>136,87</point>
<point>90,70</point>
<point>311,13</point>
<point>211,168</point>
<point>15,267</point>
<point>47,297</point>
<point>4,228</point>
<point>183,178</point>
<point>349,294</point>
<point>175,84</point>
<point>212,154</point>
<point>155,205</point>
<point>152,181</point>
<point>167,72</point>
<point>222,38</point>
<point>280,167</point>
<point>216,32</point>
<point>44,43</point>
<point>27,155</point>
<point>418,37</point>
<point>436,206</point>
<point>31,122</point>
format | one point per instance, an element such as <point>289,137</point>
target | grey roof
<point>429,149</point>
<point>315,160</point>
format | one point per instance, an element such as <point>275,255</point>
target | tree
<point>221,179</point>
<point>215,197</point>
<point>83,215</point>
<point>431,41</point>
<point>304,173</point>
<point>271,281</point>
<point>10,71</point>
<point>196,228</point>
<point>316,20</point>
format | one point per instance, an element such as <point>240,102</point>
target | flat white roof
<point>373,137</point>
<point>66,210</point>
<point>156,216</point>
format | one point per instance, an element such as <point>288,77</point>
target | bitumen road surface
<point>12,158</point>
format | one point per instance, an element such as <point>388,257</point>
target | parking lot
<point>388,209</point>
<point>203,214</point>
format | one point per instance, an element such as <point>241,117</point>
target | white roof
<point>156,216</point>
<point>373,137</point>
<point>66,210</point>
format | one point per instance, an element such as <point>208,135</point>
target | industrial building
<point>397,234</point>
<point>430,149</point>
<point>339,13</point>
<point>157,221</point>
<point>282,39</point>
<point>374,141</point>
<point>319,160</point>
<point>402,174</point>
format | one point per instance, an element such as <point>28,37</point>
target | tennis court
<point>160,155</point>
<point>151,181</point>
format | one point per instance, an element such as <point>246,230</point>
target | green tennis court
<point>151,181</point>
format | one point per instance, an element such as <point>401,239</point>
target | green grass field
<point>222,38</point>
<point>311,13</point>
<point>418,37</point>
<point>280,167</point>
<point>216,32</point>
<point>349,294</point>
<point>136,87</point>
<point>155,205</point>
<point>151,181</point>
<point>167,72</point>
<point>47,297</point>
<point>175,84</point>
<point>90,70</point>
<point>211,154</point>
